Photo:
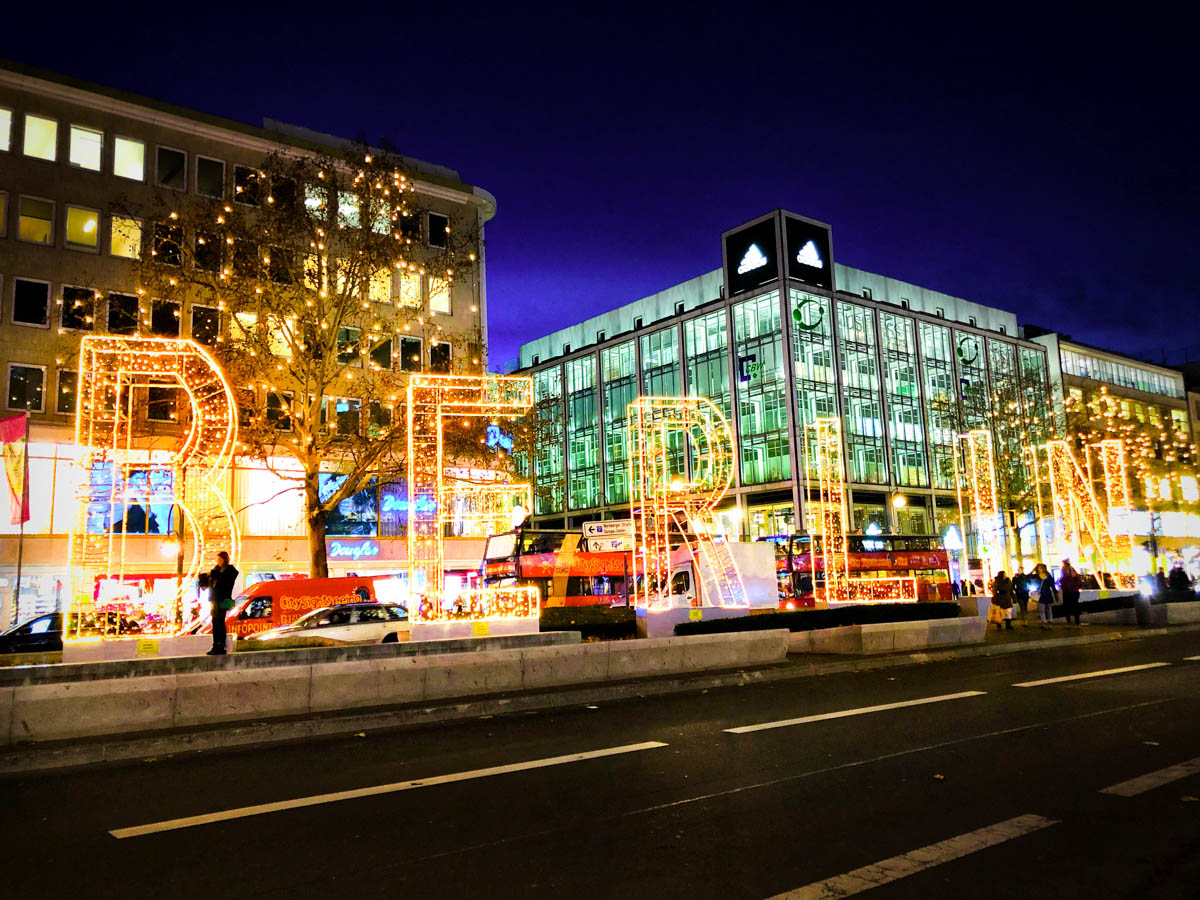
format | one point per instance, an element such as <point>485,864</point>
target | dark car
<point>37,635</point>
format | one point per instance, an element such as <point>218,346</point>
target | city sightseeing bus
<point>561,564</point>
<point>869,556</point>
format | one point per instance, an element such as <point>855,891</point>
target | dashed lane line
<point>844,713</point>
<point>317,799</point>
<point>897,867</point>
<point>1082,675</point>
<point>1151,780</point>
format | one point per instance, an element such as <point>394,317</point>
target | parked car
<point>348,623</point>
<point>40,634</point>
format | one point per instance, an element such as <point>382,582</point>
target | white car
<point>348,623</point>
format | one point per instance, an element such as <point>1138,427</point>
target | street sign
<point>620,543</point>
<point>607,528</point>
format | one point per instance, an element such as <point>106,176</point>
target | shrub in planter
<point>812,619</point>
<point>592,622</point>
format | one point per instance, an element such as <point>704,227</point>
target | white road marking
<point>317,799</point>
<point>888,870</point>
<point>1143,783</point>
<point>1063,678</point>
<point>863,710</point>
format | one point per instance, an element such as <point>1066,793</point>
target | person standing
<point>1046,593</point>
<point>1020,587</point>
<point>1002,598</point>
<point>220,595</point>
<point>1070,585</point>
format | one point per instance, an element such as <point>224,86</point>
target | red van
<point>272,604</point>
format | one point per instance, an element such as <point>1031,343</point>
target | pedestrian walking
<point>220,595</point>
<point>1070,584</point>
<point>1002,601</point>
<point>1046,593</point>
<point>1020,583</point>
<point>1160,583</point>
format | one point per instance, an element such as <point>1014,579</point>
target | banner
<point>14,441</point>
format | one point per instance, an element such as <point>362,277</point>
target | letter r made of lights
<point>671,510</point>
<point>823,440</point>
<point>186,467</point>
<point>432,399</point>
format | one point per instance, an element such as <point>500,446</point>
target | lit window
<point>126,238</point>
<point>439,295</point>
<point>315,199</point>
<point>129,159</point>
<point>164,318</point>
<point>380,288</point>
<point>409,293</point>
<point>210,177</point>
<point>68,388</point>
<point>206,324</point>
<point>36,221</point>
<point>123,314</point>
<point>83,228</point>
<point>279,410</point>
<point>171,169</point>
<point>85,150</point>
<point>348,210</point>
<point>26,387</point>
<point>5,129</point>
<point>168,243</point>
<point>78,308</point>
<point>347,345</point>
<point>31,302</point>
<point>41,137</point>
<point>246,185</point>
<point>439,231</point>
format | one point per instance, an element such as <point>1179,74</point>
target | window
<point>379,419</point>
<point>31,302</point>
<point>206,324</point>
<point>168,243</point>
<point>439,356</point>
<point>1003,330</point>
<point>940,313</point>
<point>129,159</point>
<point>206,254</point>
<point>681,583</point>
<point>171,169</point>
<point>409,290</point>
<point>68,388</point>
<point>866,293</point>
<point>381,354</point>
<point>349,215</point>
<point>439,295</point>
<point>279,410</point>
<point>637,323</point>
<point>3,214</point>
<point>970,320</point>
<point>26,387</point>
<point>258,608</point>
<point>86,146</point>
<point>600,336</point>
<point>83,229</point>
<point>904,303</point>
<point>345,414</point>
<point>279,265</point>
<point>78,308</point>
<point>210,177</point>
<point>347,346</point>
<point>164,318</point>
<point>566,349</point>
<point>410,354</point>
<point>126,238</point>
<point>161,403</point>
<point>36,221</point>
<point>536,359</point>
<point>246,187</point>
<point>5,129</point>
<point>679,308</point>
<point>379,290</point>
<point>41,137</point>
<point>439,231</point>
<point>122,314</point>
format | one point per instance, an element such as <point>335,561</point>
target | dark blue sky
<point>1036,160</point>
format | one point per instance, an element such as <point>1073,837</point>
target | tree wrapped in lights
<point>317,269</point>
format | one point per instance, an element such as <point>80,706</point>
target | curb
<point>251,734</point>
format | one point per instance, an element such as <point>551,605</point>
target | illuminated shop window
<point>86,148</point>
<point>83,228</point>
<point>813,367</point>
<point>618,369</point>
<point>863,426</point>
<point>941,404</point>
<point>903,394</point>
<point>35,222</point>
<point>126,238</point>
<point>41,137</point>
<point>129,159</point>
<point>583,434</point>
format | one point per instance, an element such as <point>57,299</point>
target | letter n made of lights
<point>432,399</point>
<point>1084,521</point>
<point>670,510</point>
<point>184,466</point>
<point>823,439</point>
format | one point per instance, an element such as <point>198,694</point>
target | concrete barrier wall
<point>889,637</point>
<point>35,713</point>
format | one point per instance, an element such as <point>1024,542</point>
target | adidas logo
<point>808,256</point>
<point>754,259</point>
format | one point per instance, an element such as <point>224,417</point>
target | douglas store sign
<point>365,550</point>
<point>752,253</point>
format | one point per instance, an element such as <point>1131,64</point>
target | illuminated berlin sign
<point>353,549</point>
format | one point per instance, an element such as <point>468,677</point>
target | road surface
<point>987,777</point>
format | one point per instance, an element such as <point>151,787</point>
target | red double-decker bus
<point>560,565</point>
<point>921,557</point>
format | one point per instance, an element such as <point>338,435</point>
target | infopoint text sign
<point>751,256</point>
<point>808,254</point>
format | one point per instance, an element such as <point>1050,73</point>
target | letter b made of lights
<point>432,399</point>
<point>827,517</point>
<point>185,467</point>
<point>671,510</point>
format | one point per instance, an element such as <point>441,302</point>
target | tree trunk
<point>318,564</point>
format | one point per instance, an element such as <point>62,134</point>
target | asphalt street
<point>984,777</point>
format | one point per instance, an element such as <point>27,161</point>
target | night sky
<point>1041,162</point>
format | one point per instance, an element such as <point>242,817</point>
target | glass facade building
<point>905,374</point>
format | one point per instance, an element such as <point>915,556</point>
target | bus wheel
<point>390,638</point>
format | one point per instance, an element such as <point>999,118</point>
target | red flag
<point>14,443</point>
